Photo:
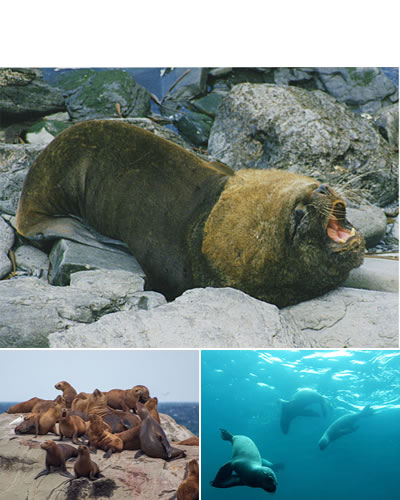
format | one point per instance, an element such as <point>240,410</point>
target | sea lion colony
<point>88,420</point>
<point>278,236</point>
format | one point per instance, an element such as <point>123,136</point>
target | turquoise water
<point>241,392</point>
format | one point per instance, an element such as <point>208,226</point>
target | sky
<point>171,375</point>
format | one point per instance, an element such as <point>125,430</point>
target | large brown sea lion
<point>153,440</point>
<point>43,422</point>
<point>25,406</point>
<point>71,426</point>
<point>69,393</point>
<point>126,400</point>
<point>278,236</point>
<point>100,436</point>
<point>189,487</point>
<point>56,456</point>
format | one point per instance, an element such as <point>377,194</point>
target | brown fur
<point>56,456</point>
<point>99,436</point>
<point>84,466</point>
<point>71,426</point>
<point>127,399</point>
<point>193,441</point>
<point>79,403</point>
<point>25,406</point>
<point>189,487</point>
<point>44,405</point>
<point>69,392</point>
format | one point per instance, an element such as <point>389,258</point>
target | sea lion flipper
<point>226,435</point>
<point>273,466</point>
<point>44,472</point>
<point>223,477</point>
<point>139,453</point>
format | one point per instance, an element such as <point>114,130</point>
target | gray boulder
<point>267,126</point>
<point>387,119</point>
<point>347,318</point>
<point>370,221</point>
<point>200,318</point>
<point>24,93</point>
<point>381,274</point>
<point>6,242</point>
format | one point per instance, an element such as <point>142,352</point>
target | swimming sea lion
<point>71,426</point>
<point>278,236</point>
<point>153,440</point>
<point>189,487</point>
<point>246,468</point>
<point>56,456</point>
<point>84,466</point>
<point>343,425</point>
<point>297,407</point>
<point>69,393</point>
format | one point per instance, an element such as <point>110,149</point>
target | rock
<point>44,131</point>
<point>67,257</point>
<point>266,126</point>
<point>31,309</point>
<point>370,221</point>
<point>32,261</point>
<point>387,119</point>
<point>200,318</point>
<point>347,318</point>
<point>124,476</point>
<point>194,127</point>
<point>15,161</point>
<point>96,94</point>
<point>375,274</point>
<point>24,93</point>
<point>6,242</point>
<point>193,83</point>
<point>208,104</point>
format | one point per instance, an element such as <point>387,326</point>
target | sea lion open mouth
<point>334,229</point>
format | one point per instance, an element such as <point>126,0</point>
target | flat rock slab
<point>124,476</point>
<point>30,308</point>
<point>348,318</point>
<point>200,318</point>
<point>375,274</point>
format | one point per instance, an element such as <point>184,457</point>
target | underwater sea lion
<point>84,466</point>
<point>297,407</point>
<point>278,236</point>
<point>189,487</point>
<point>246,468</point>
<point>69,393</point>
<point>343,425</point>
<point>56,456</point>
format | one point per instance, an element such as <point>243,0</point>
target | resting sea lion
<point>189,487</point>
<point>84,466</point>
<point>153,440</point>
<point>246,468</point>
<point>126,399</point>
<point>71,426</point>
<point>56,456</point>
<point>41,423</point>
<point>343,425</point>
<point>278,236</point>
<point>297,407</point>
<point>69,393</point>
<point>45,404</point>
<point>25,406</point>
<point>100,436</point>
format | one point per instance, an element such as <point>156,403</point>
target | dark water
<point>186,414</point>
<point>241,391</point>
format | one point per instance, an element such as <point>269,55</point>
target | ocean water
<point>241,392</point>
<point>186,414</point>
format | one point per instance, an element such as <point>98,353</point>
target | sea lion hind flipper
<point>226,435</point>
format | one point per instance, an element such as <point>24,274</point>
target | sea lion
<point>45,404</point>
<point>189,487</point>
<point>41,423</point>
<point>56,456</point>
<point>25,406</point>
<point>71,426</point>
<point>276,235</point>
<point>100,436</point>
<point>84,466</point>
<point>297,407</point>
<point>69,393</point>
<point>153,440</point>
<point>126,399</point>
<point>345,424</point>
<point>79,403</point>
<point>192,441</point>
<point>246,468</point>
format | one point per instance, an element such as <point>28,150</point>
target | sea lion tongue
<point>338,233</point>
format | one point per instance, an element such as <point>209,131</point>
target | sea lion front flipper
<point>226,435</point>
<point>67,474</point>
<point>44,472</point>
<point>274,467</point>
<point>139,454</point>
<point>225,478</point>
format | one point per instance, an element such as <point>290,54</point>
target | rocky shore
<point>337,125</point>
<point>21,459</point>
